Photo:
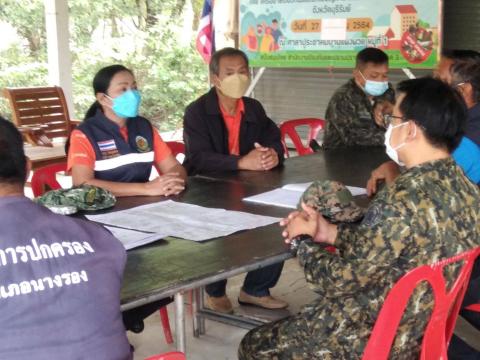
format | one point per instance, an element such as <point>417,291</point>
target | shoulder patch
<point>372,216</point>
<point>142,144</point>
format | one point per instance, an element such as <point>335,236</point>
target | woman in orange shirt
<point>115,149</point>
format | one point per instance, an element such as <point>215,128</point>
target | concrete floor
<point>220,341</point>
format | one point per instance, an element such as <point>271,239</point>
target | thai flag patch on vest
<point>108,148</point>
<point>107,145</point>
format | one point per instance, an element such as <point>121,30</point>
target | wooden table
<point>352,166</point>
<point>43,155</point>
<point>172,266</point>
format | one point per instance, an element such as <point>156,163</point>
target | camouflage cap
<point>84,197</point>
<point>333,200</point>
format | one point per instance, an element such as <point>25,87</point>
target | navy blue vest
<point>116,159</point>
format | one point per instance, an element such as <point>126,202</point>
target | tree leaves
<point>141,34</point>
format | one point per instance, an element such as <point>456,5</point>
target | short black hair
<point>467,71</point>
<point>371,55</point>
<point>275,21</point>
<point>228,51</point>
<point>12,156</point>
<point>437,108</point>
<point>461,54</point>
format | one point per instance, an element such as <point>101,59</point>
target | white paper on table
<point>357,191</point>
<point>132,238</point>
<point>334,29</point>
<point>289,195</point>
<point>297,187</point>
<point>187,221</point>
<point>279,197</point>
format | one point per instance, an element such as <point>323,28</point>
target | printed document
<point>132,238</point>
<point>186,221</point>
<point>289,195</point>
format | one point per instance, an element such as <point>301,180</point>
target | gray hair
<point>214,66</point>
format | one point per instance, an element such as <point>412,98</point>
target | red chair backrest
<point>177,147</point>
<point>288,128</point>
<point>46,176</point>
<point>174,355</point>
<point>447,304</point>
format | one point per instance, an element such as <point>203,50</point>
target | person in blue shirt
<point>465,76</point>
<point>460,69</point>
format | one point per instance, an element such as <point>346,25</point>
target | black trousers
<point>458,349</point>
<point>257,282</point>
<point>133,317</point>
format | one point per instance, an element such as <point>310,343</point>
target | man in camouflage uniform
<point>351,118</point>
<point>430,212</point>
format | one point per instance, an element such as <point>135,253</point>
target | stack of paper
<point>132,238</point>
<point>289,195</point>
<point>186,221</point>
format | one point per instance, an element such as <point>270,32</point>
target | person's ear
<point>412,131</point>
<point>467,92</point>
<point>360,81</point>
<point>215,79</point>
<point>103,100</point>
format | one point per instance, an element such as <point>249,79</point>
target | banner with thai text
<point>329,33</point>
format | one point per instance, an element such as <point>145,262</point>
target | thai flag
<point>205,37</point>
<point>107,145</point>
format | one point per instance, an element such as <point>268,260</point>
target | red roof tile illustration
<point>406,9</point>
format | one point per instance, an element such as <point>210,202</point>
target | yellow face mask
<point>235,86</point>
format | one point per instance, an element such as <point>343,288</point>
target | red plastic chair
<point>167,332</point>
<point>473,307</point>
<point>177,147</point>
<point>46,177</point>
<point>173,355</point>
<point>447,304</point>
<point>287,128</point>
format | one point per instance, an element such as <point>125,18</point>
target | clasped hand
<point>167,184</point>
<point>308,222</point>
<point>260,158</point>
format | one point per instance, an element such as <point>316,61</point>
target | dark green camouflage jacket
<point>349,118</point>
<point>430,212</point>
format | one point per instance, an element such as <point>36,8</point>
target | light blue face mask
<point>127,104</point>
<point>375,88</point>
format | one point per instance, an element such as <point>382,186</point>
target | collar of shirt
<point>240,109</point>
<point>13,199</point>
<point>474,112</point>
<point>232,123</point>
<point>112,125</point>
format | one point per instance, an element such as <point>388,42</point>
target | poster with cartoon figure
<point>325,33</point>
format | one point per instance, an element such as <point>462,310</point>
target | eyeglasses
<point>388,119</point>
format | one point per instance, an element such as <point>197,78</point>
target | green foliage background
<point>170,74</point>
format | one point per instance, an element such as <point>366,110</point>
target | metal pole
<point>196,332</point>
<point>409,73</point>
<point>255,81</point>
<point>180,335</point>
<point>201,319</point>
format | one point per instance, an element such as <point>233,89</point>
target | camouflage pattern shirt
<point>429,213</point>
<point>349,118</point>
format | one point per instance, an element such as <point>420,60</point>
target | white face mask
<point>392,151</point>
